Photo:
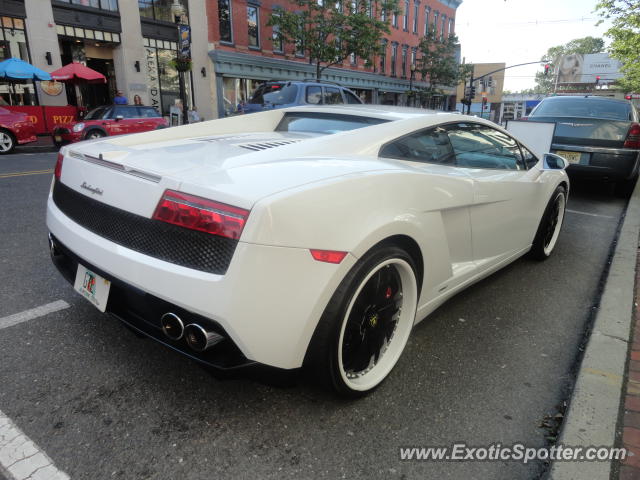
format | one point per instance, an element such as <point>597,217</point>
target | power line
<point>545,22</point>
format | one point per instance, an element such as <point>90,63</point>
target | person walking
<point>120,99</point>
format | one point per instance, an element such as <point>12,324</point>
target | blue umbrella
<point>16,69</point>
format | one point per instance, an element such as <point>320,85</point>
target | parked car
<point>15,129</point>
<point>282,94</point>
<point>599,136</point>
<point>109,120</point>
<point>307,237</point>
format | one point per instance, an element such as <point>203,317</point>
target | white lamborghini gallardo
<point>308,237</point>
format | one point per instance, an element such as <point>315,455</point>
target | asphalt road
<point>102,403</point>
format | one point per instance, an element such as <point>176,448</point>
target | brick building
<point>245,51</point>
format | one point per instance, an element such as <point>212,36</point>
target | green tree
<point>330,31</point>
<point>438,65</point>
<point>625,36</point>
<point>546,83</point>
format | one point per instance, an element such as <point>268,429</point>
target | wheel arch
<point>12,136</point>
<point>88,130</point>
<point>10,132</point>
<point>409,245</point>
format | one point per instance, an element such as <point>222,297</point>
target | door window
<point>429,146</point>
<point>480,146</point>
<point>147,112</point>
<point>126,112</point>
<point>332,96</point>
<point>314,95</point>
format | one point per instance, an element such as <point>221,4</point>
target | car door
<point>505,193</point>
<point>445,194</point>
<point>128,123</point>
<point>149,118</point>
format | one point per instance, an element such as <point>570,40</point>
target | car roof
<point>386,112</point>
<point>587,97</point>
<point>305,82</point>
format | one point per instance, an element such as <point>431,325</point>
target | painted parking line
<point>32,313</point>
<point>589,214</point>
<point>21,459</point>
<point>22,174</point>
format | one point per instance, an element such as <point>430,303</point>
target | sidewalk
<point>604,409</point>
<point>630,420</point>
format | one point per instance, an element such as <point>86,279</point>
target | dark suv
<point>281,94</point>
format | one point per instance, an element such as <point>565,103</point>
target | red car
<point>109,120</point>
<point>15,129</point>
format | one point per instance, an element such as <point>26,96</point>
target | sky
<point>520,31</point>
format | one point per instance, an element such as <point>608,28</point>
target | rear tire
<point>365,326</point>
<point>93,134</point>
<point>550,225</point>
<point>7,142</point>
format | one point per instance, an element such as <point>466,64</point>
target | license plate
<point>92,287</point>
<point>572,157</point>
<point>58,138</point>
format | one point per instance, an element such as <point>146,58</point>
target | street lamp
<point>413,72</point>
<point>178,12</point>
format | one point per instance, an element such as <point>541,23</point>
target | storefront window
<point>111,5</point>
<point>159,9</point>
<point>236,92</point>
<point>13,43</point>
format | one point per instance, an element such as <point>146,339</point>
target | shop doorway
<point>97,94</point>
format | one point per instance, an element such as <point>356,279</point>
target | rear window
<point>326,123</point>
<point>275,94</point>
<point>583,107</point>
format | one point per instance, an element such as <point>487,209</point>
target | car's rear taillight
<point>58,170</point>
<point>197,213</point>
<point>633,137</point>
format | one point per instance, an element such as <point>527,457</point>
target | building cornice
<point>242,65</point>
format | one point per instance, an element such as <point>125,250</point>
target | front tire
<point>366,324</point>
<point>7,142</point>
<point>550,225</point>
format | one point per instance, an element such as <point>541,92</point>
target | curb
<point>595,402</point>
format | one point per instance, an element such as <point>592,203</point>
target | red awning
<point>77,73</point>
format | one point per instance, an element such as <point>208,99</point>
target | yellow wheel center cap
<point>373,320</point>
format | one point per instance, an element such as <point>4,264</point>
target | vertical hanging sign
<point>151,63</point>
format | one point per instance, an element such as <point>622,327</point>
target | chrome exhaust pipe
<point>199,339</point>
<point>172,326</point>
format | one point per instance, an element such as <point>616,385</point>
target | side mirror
<point>551,161</point>
<point>119,117</point>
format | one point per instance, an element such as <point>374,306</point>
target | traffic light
<point>546,69</point>
<point>473,92</point>
<point>598,80</point>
